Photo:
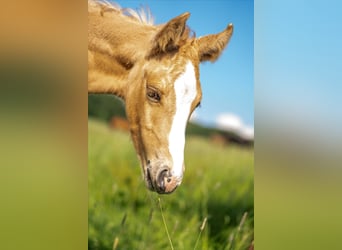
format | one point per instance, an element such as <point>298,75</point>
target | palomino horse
<point>155,70</point>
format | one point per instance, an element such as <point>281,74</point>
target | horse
<point>154,69</point>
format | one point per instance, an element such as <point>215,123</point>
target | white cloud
<point>233,123</point>
<point>229,122</point>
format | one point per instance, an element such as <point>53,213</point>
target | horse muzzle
<point>162,182</point>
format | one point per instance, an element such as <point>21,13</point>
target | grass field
<point>217,189</point>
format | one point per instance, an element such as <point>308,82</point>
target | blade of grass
<point>167,231</point>
<point>201,230</point>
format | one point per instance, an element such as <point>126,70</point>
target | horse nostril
<point>166,183</point>
<point>161,179</point>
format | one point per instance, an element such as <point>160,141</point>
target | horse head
<point>164,89</point>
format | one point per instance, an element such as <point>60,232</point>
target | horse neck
<point>115,45</point>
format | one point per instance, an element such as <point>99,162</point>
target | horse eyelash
<point>153,94</point>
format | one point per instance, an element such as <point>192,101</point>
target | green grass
<point>123,214</point>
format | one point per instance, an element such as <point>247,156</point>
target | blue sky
<point>227,84</point>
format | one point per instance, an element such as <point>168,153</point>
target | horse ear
<point>210,47</point>
<point>171,36</point>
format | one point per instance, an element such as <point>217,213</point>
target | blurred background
<point>298,122</point>
<point>43,125</point>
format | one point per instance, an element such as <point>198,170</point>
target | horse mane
<point>142,15</point>
<point>161,44</point>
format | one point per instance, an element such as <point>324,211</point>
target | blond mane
<point>142,15</point>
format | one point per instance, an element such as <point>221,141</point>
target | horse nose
<point>166,183</point>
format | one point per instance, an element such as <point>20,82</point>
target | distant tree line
<point>104,107</point>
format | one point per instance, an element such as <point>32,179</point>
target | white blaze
<point>185,91</point>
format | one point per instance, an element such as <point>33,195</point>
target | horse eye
<point>153,95</point>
